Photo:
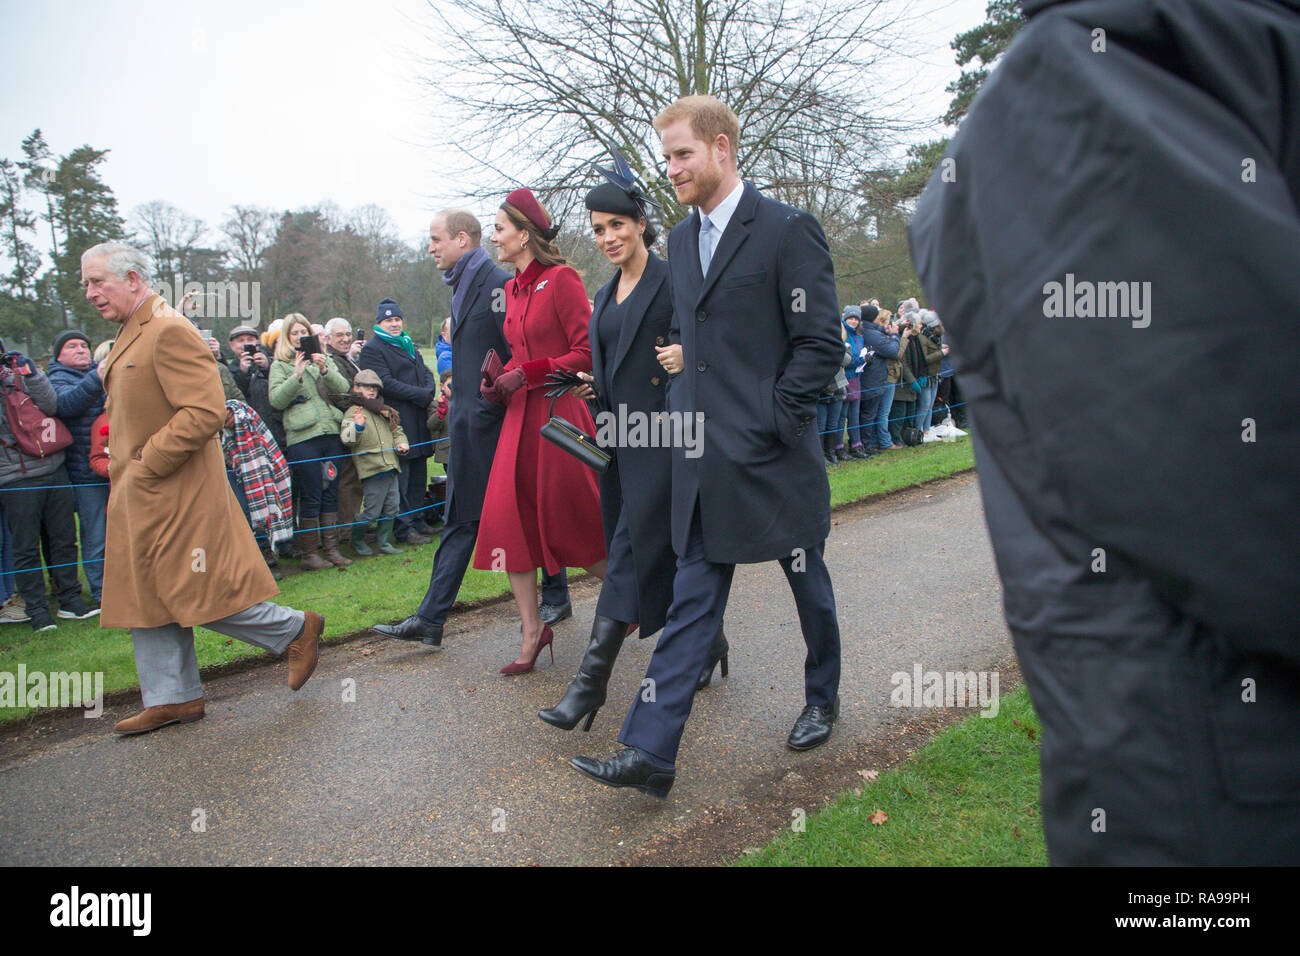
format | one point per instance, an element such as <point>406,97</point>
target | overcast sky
<point>261,102</point>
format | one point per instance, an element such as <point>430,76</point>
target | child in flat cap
<point>374,431</point>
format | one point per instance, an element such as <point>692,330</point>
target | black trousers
<point>44,503</point>
<point>413,479</point>
<point>700,588</point>
<point>455,549</point>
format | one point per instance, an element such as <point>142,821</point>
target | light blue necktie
<point>706,246</point>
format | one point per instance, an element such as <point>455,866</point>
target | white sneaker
<point>74,616</point>
<point>14,610</point>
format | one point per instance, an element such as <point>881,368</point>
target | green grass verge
<point>967,798</point>
<point>386,587</point>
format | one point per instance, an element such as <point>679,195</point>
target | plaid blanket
<point>252,454</point>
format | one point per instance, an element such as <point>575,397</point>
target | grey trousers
<point>382,496</point>
<point>166,663</point>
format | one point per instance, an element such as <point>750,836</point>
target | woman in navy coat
<point>629,329</point>
<point>409,388</point>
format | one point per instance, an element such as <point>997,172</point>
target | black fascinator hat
<point>622,194</point>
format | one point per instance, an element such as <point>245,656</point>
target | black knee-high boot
<point>586,693</point>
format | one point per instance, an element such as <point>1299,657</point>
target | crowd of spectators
<point>315,457</point>
<point>895,372</point>
<point>328,435</point>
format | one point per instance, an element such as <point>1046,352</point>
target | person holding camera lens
<point>302,383</point>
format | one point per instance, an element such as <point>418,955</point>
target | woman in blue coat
<point>409,388</point>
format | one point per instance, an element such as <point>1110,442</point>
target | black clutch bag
<point>565,434</point>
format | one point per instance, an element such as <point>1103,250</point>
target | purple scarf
<point>458,277</point>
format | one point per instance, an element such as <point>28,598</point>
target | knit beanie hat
<point>67,336</point>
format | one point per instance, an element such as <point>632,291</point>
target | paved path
<point>438,748</point>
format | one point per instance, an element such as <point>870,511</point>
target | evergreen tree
<point>17,299</point>
<point>86,211</point>
<point>39,176</point>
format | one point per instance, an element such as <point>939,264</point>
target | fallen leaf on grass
<point>879,817</point>
<point>869,775</point>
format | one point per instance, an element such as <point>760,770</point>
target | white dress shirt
<point>720,216</point>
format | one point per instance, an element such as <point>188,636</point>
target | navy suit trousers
<point>700,588</point>
<point>455,549</point>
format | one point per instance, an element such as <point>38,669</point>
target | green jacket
<point>374,445</point>
<point>310,418</point>
<point>228,385</point>
<point>933,354</point>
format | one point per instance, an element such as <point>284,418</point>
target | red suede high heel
<point>545,641</point>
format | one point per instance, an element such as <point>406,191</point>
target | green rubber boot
<point>385,535</point>
<point>359,542</point>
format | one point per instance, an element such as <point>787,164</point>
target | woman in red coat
<point>542,506</point>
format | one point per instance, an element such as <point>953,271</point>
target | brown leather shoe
<point>304,652</point>
<point>151,718</point>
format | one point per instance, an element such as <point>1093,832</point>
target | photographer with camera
<point>931,339</point>
<point>250,368</point>
<point>37,495</point>
<point>343,350</point>
<point>911,377</point>
<point>302,383</point>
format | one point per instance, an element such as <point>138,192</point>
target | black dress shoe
<point>628,768</point>
<point>813,726</point>
<point>414,628</point>
<point>424,528</point>
<point>554,613</point>
<point>717,655</point>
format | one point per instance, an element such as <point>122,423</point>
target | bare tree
<point>249,231</point>
<point>537,87</point>
<point>169,233</point>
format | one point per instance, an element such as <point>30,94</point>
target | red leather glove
<point>490,393</point>
<point>508,383</point>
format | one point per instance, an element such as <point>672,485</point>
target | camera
<point>309,345</point>
<point>250,349</point>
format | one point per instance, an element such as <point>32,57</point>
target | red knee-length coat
<point>542,506</point>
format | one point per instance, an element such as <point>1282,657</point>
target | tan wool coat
<point>178,548</point>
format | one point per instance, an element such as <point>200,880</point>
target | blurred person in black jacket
<point>1126,163</point>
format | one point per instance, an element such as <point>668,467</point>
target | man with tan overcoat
<point>179,552</point>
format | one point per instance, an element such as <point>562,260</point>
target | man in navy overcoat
<point>478,314</point>
<point>756,318</point>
